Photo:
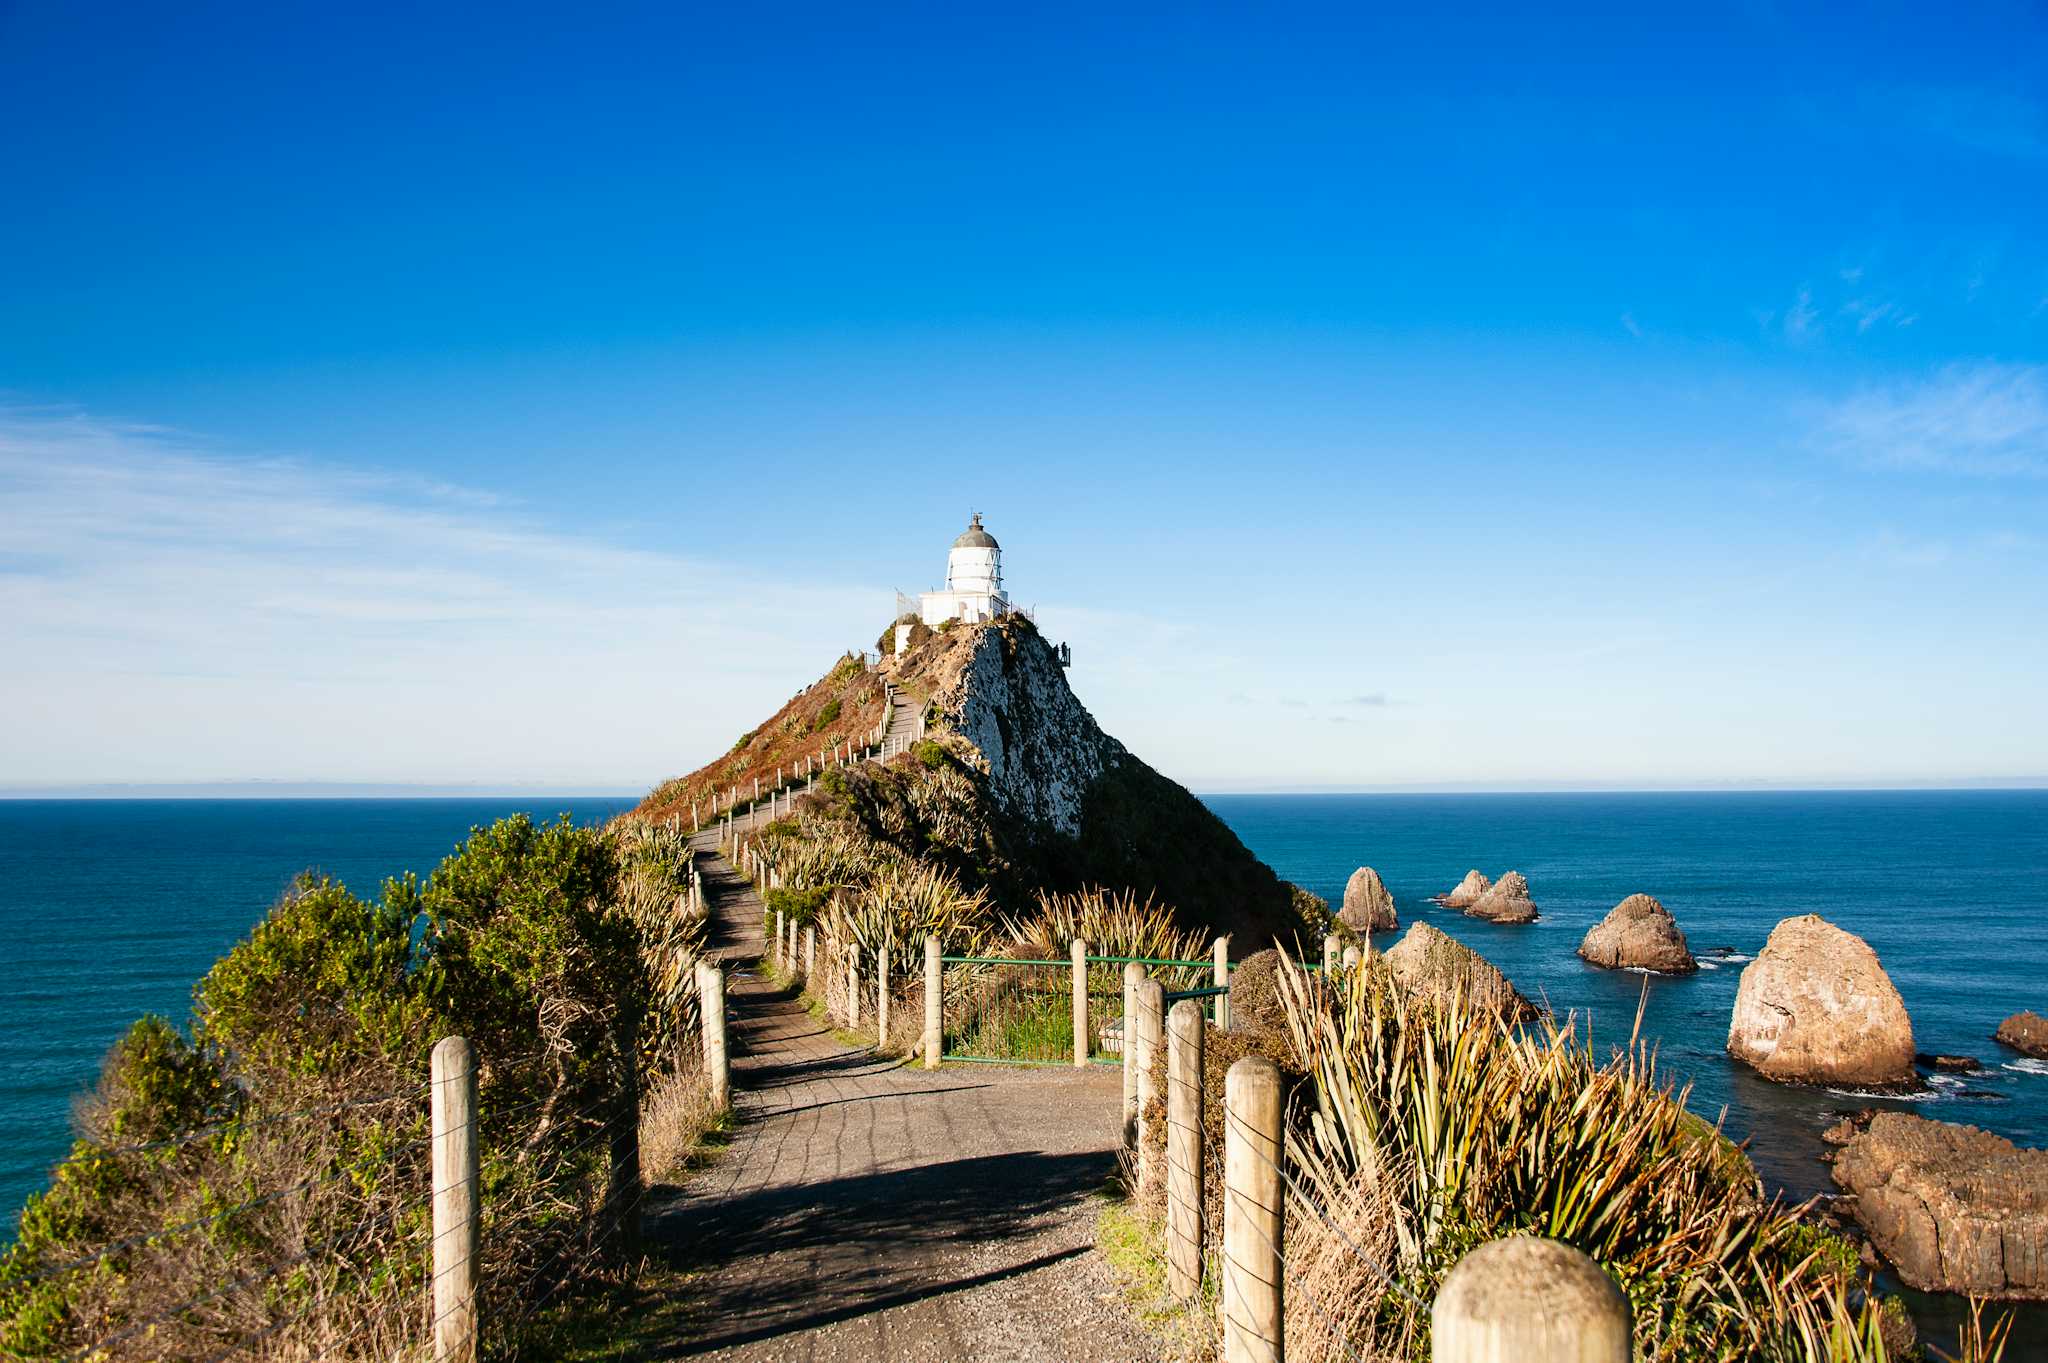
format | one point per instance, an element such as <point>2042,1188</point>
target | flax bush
<point>1111,922</point>
<point>1421,1131</point>
<point>905,903</point>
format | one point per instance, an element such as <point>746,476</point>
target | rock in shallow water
<point>1815,1007</point>
<point>2027,1032</point>
<point>1368,903</point>
<point>1467,894</point>
<point>1506,902</point>
<point>1954,1209</point>
<point>1639,932</point>
<point>1951,1064</point>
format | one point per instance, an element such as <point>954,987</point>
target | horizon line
<point>375,790</point>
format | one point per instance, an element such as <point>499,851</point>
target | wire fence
<point>1307,1274</point>
<point>340,1260</point>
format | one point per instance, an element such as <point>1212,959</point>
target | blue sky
<point>1491,399</point>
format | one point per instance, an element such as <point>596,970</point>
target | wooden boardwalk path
<point>869,1210</point>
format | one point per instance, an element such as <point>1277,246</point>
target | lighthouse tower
<point>974,581</point>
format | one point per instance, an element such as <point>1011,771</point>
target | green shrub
<point>802,906</point>
<point>932,755</point>
<point>544,945</point>
<point>827,716</point>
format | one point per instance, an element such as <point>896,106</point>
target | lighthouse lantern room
<point>974,581</point>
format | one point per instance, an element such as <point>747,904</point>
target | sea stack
<point>1815,1007</point>
<point>1954,1209</point>
<point>2025,1032</point>
<point>1639,932</point>
<point>1467,894</point>
<point>1439,968</point>
<point>1506,902</point>
<point>1368,903</point>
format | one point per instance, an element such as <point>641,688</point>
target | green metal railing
<point>1020,1011</point>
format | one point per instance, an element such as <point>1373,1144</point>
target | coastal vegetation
<point>261,1175</point>
<point>1421,1125</point>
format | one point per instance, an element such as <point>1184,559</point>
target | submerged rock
<point>1815,1007</point>
<point>1506,902</point>
<point>1639,932</point>
<point>1467,894</point>
<point>1954,1209</point>
<point>1434,966</point>
<point>2027,1032</point>
<point>1368,903</point>
<point>1952,1064</point>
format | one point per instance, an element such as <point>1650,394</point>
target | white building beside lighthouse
<point>974,581</point>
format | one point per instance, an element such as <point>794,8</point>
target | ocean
<point>111,909</point>
<point>1950,888</point>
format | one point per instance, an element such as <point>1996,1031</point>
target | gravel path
<point>869,1210</point>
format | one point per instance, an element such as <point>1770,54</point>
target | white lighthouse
<point>974,581</point>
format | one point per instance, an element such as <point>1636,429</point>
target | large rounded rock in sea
<point>1639,932</point>
<point>1434,966</point>
<point>1954,1209</point>
<point>1467,894</point>
<point>1507,901</point>
<point>2025,1032</point>
<point>1368,903</point>
<point>1815,1007</point>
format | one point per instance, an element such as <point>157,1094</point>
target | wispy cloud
<point>1631,326</point>
<point>1376,700</point>
<point>170,612</point>
<point>1986,419</point>
<point>1802,320</point>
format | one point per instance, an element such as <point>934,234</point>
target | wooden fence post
<point>1526,1299</point>
<point>1151,1008</point>
<point>458,1216</point>
<point>810,953</point>
<point>1080,953</point>
<point>1250,1302</point>
<point>1329,954</point>
<point>1127,1042</point>
<point>1221,976</point>
<point>933,1016</point>
<point>853,990</point>
<point>882,995</point>
<point>1184,1150</point>
<point>1352,958</point>
<point>711,1008</point>
<point>622,1184</point>
<point>779,961</point>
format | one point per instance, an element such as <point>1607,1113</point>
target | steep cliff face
<point>1010,698</point>
<point>1073,806</point>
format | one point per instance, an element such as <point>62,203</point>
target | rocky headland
<point>1639,933</point>
<point>1816,1007</point>
<point>1434,966</point>
<point>1953,1208</point>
